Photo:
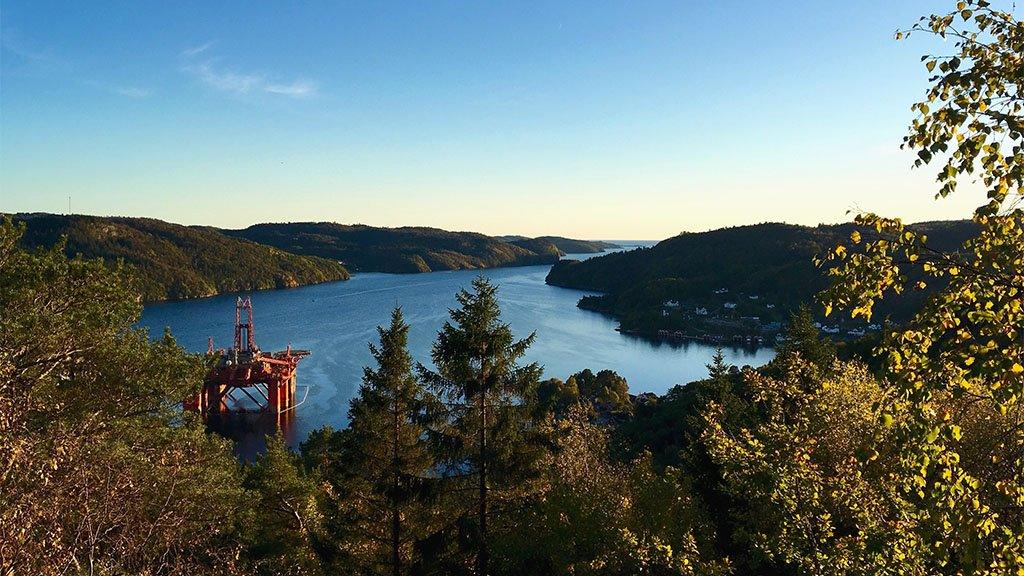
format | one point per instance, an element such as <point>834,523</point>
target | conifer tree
<point>385,456</point>
<point>488,434</point>
<point>804,338</point>
<point>718,369</point>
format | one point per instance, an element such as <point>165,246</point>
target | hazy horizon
<point>607,120</point>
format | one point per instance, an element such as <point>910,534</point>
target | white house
<point>670,304</point>
<point>730,305</point>
<point>701,311</point>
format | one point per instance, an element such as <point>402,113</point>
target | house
<point>830,329</point>
<point>754,297</point>
<point>874,327</point>
<point>722,291</point>
<point>701,311</point>
<point>664,312</point>
<point>730,305</point>
<point>856,332</point>
<point>644,398</point>
<point>770,306</point>
<point>670,304</point>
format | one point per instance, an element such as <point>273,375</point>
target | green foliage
<point>801,502</point>
<point>488,440</point>
<point>286,525</point>
<point>380,472</point>
<point>598,516</point>
<point>555,398</point>
<point>606,391</point>
<point>804,339</point>
<point>102,473</point>
<point>967,343</point>
<point>170,261</point>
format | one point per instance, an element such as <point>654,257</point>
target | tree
<point>380,465</point>
<point>102,472</point>
<point>718,369</point>
<point>967,343</point>
<point>555,398</point>
<point>488,434</point>
<point>285,528</point>
<point>803,338</point>
<point>800,502</point>
<point>598,516</point>
<point>606,392</point>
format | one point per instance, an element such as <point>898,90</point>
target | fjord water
<point>336,321</point>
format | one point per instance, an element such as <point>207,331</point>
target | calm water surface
<point>336,321</point>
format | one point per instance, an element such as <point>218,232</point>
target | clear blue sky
<point>590,119</point>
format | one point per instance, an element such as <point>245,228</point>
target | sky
<point>593,119</point>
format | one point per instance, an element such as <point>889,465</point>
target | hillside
<point>571,246</point>
<point>564,245</point>
<point>174,261</point>
<point>751,267</point>
<point>399,250</point>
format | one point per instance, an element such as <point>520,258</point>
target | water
<point>336,321</point>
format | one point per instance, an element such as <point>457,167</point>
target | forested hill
<point>172,261</point>
<point>565,245</point>
<point>770,261</point>
<point>399,250</point>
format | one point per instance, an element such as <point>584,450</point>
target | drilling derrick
<point>244,372</point>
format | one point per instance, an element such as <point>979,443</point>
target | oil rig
<point>267,379</point>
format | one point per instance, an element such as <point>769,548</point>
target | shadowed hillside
<point>174,261</point>
<point>772,262</point>
<point>564,245</point>
<point>399,250</point>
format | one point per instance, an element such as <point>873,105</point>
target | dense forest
<point>473,461</point>
<point>399,250</point>
<point>172,261</point>
<point>772,262</point>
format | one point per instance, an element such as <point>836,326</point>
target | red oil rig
<point>267,379</point>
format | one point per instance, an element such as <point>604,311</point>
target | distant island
<point>173,261</point>
<point>566,245</point>
<point>729,285</point>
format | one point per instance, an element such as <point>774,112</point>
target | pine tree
<point>804,338</point>
<point>488,433</point>
<point>718,368</point>
<point>386,459</point>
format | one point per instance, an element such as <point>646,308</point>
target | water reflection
<point>249,431</point>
